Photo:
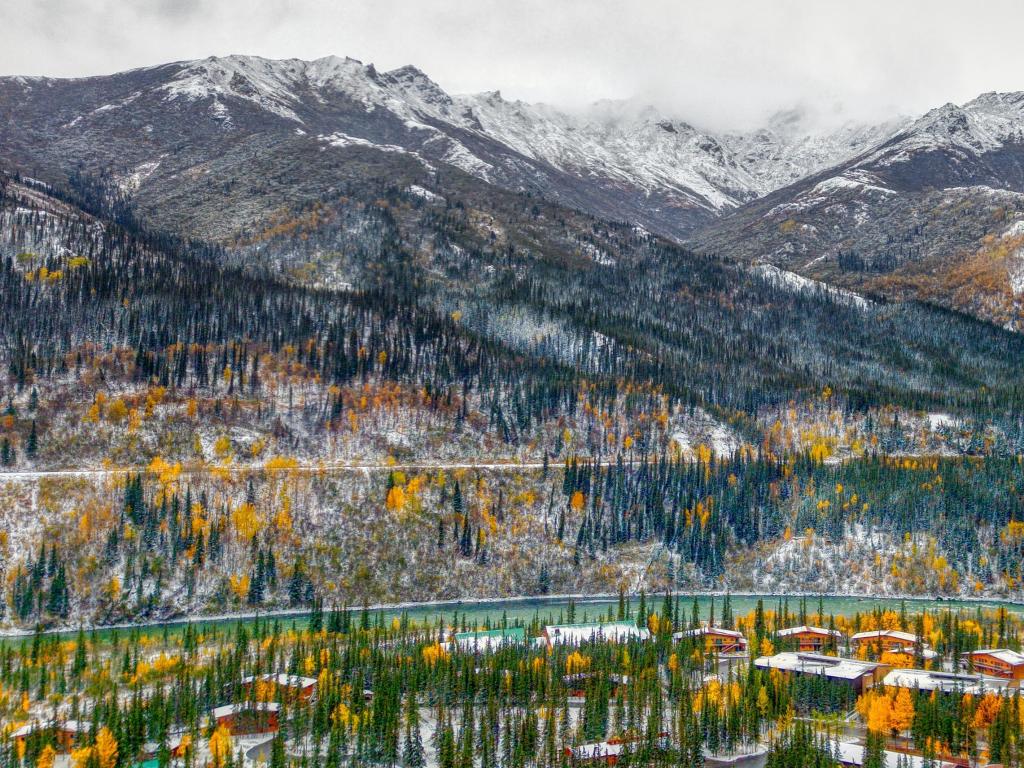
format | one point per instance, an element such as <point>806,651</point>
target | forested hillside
<point>675,419</point>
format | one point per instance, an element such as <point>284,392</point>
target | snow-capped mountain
<point>617,159</point>
<point>793,145</point>
<point>936,211</point>
<point>212,147</point>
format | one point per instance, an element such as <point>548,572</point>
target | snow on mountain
<point>616,159</point>
<point>617,143</point>
<point>985,124</point>
<point>654,150</point>
<point>268,84</point>
<point>798,283</point>
<point>640,147</point>
<point>793,146</point>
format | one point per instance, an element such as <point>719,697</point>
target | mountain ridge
<point>933,213</point>
<point>635,163</point>
<point>213,148</point>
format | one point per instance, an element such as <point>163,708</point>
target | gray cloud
<point>721,63</point>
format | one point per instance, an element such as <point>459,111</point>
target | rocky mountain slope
<point>216,148</point>
<point>243,135</point>
<point>935,212</point>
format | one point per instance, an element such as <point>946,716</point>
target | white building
<point>577,634</point>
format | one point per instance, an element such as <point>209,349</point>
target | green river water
<point>551,610</point>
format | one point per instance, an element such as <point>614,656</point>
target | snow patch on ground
<point>426,194</point>
<point>1015,230</point>
<point>702,429</point>
<point>132,181</point>
<point>855,180</point>
<point>799,283</point>
<point>938,421</point>
<point>597,254</point>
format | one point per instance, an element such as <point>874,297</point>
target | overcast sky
<point>715,62</point>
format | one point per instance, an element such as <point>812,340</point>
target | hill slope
<point>186,135</point>
<point>933,213</point>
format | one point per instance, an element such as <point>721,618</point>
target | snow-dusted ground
<point>799,283</point>
<point>622,141</point>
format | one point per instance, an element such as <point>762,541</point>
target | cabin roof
<point>895,634</point>
<point>804,629</point>
<point>945,682</point>
<point>618,631</point>
<point>814,664</point>
<point>1005,655</point>
<point>282,679</point>
<point>701,631</point>
<point>247,706</point>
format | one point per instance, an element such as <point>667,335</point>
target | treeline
<point>369,690</point>
<point>698,510</point>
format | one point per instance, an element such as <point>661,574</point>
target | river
<point>552,609</point>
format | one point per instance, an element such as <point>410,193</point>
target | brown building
<point>810,639</point>
<point>998,662</point>
<point>65,733</point>
<point>247,718</point>
<point>290,687</point>
<point>859,675</point>
<point>881,641</point>
<point>716,639</point>
<point>609,752</point>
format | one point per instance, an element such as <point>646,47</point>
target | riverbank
<point>526,606</point>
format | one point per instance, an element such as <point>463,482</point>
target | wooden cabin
<point>998,662</point>
<point>577,683</point>
<point>716,639</point>
<point>65,734</point>
<point>176,745</point>
<point>808,639</point>
<point>247,718</point>
<point>882,641</point>
<point>609,752</point>
<point>290,687</point>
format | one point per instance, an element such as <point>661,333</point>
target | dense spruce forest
<point>409,391</point>
<point>681,421</point>
<point>357,688</point>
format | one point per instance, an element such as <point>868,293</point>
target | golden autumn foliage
<point>396,498</point>
<point>220,746</point>
<point>240,585</point>
<point>222,447</point>
<point>901,715</point>
<point>118,411</point>
<point>434,653</point>
<point>576,662</point>
<point>986,710</point>
<point>46,758</point>
<point>102,754</point>
<point>247,521</point>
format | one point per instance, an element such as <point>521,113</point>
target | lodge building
<point>716,639</point>
<point>881,641</point>
<point>291,687</point>
<point>577,634</point>
<point>998,662</point>
<point>859,675</point>
<point>248,718</point>
<point>810,639</point>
